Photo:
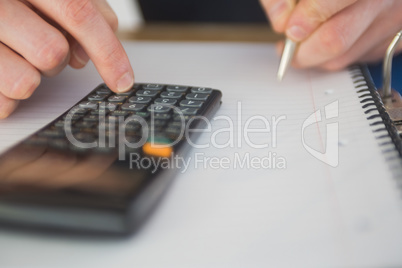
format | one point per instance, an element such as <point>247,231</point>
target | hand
<point>336,33</point>
<point>43,36</point>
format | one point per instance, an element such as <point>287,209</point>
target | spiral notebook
<point>306,172</point>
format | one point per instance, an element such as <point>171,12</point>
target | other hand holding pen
<point>334,34</point>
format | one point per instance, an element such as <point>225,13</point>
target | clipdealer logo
<point>331,154</point>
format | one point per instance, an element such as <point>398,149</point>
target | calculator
<point>103,165</point>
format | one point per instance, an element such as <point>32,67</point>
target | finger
<point>278,12</point>
<point>337,35</point>
<point>79,57</point>
<point>309,14</point>
<point>28,34</point>
<point>18,78</point>
<point>374,42</point>
<point>7,106</point>
<point>379,52</point>
<point>87,25</point>
<point>108,13</point>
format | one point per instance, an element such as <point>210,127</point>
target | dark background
<point>236,11</point>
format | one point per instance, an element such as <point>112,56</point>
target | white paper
<point>308,214</point>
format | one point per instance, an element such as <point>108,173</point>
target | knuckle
<point>53,53</point>
<point>316,12</point>
<point>113,21</point>
<point>77,12</point>
<point>333,41</point>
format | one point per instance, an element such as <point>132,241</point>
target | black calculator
<point>103,165</point>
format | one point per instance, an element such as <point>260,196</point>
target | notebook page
<point>232,206</point>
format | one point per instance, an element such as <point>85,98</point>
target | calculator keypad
<point>104,109</point>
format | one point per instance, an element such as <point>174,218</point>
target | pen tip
<point>280,77</point>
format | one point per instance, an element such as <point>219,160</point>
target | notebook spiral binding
<point>380,121</point>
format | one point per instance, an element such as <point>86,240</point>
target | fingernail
<point>125,82</point>
<point>80,55</point>
<point>296,33</point>
<point>276,12</point>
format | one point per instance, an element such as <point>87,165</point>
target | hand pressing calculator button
<point>95,169</point>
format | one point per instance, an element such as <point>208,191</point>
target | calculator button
<point>180,89</point>
<point>191,103</point>
<point>162,116</point>
<point>187,111</point>
<point>158,148</point>
<point>117,98</point>
<point>133,107</point>
<point>158,108</point>
<point>137,99</point>
<point>201,90</point>
<point>166,101</point>
<point>120,113</point>
<point>78,110</point>
<point>147,93</point>
<point>144,115</point>
<point>197,96</point>
<point>85,137</point>
<point>127,93</point>
<point>89,105</point>
<point>97,97</point>
<point>171,95</point>
<point>100,112</point>
<point>108,106</point>
<point>93,118</point>
<point>153,87</point>
<point>103,90</point>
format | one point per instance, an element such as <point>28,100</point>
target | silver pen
<point>287,57</point>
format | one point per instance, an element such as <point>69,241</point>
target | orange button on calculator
<point>157,149</point>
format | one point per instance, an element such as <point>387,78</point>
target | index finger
<point>85,23</point>
<point>308,15</point>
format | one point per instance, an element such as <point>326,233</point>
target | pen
<point>287,56</point>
